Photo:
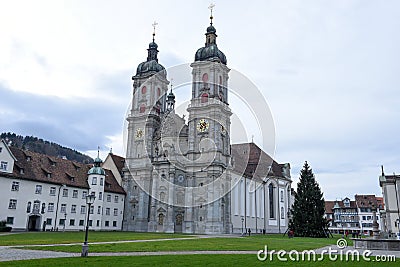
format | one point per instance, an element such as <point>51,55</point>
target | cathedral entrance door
<point>178,223</point>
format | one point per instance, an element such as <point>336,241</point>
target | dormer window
<point>28,158</point>
<point>48,175</point>
<point>21,171</point>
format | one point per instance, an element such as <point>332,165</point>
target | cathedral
<point>184,175</point>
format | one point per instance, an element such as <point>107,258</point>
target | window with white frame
<point>84,194</point>
<point>91,209</point>
<point>3,165</point>
<point>10,220</point>
<point>98,209</point>
<point>63,208</point>
<point>107,211</point>
<point>75,194</point>
<point>83,209</point>
<point>50,207</point>
<point>12,204</point>
<point>100,195</point>
<point>38,189</point>
<point>108,198</point>
<point>73,209</point>
<point>15,186</point>
<point>101,181</point>
<point>115,212</point>
<point>116,199</point>
<point>94,181</point>
<point>52,191</point>
<point>65,192</point>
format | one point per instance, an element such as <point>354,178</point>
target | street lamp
<point>85,247</point>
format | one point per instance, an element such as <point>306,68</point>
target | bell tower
<point>150,86</point>
<point>209,135</point>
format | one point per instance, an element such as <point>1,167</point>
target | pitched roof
<point>252,161</point>
<point>47,169</point>
<point>329,206</point>
<point>118,161</point>
<point>369,201</point>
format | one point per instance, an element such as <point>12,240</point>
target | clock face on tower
<point>202,125</point>
<point>139,133</point>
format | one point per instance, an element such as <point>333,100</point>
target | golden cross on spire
<point>154,28</point>
<point>212,5</point>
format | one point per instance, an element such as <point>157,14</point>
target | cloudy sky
<point>329,71</point>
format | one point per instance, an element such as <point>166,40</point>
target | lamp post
<point>85,247</point>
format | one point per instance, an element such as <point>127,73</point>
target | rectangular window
<point>52,191</point>
<point>107,223</point>
<point>116,199</point>
<point>91,210</point>
<point>72,222</point>
<point>63,208</point>
<point>108,198</point>
<point>107,211</point>
<point>114,223</point>
<point>50,207</point>
<point>83,209</point>
<point>115,212</point>
<point>271,201</point>
<point>65,192</point>
<point>15,186</point>
<point>38,189</point>
<point>10,220</point>
<point>61,222</point>
<point>75,194</point>
<point>84,194</point>
<point>12,204</point>
<point>73,209</point>
<point>94,181</point>
<point>101,181</point>
<point>282,196</point>
<point>90,222</point>
<point>81,222</point>
<point>48,221</point>
<point>99,210</point>
<point>97,223</point>
<point>100,195</point>
<point>3,165</point>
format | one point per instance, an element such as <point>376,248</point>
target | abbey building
<point>184,175</point>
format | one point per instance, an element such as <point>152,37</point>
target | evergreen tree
<point>309,206</point>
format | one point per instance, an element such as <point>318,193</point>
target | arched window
<point>142,108</point>
<point>158,92</point>
<point>43,208</point>
<point>144,89</point>
<point>271,201</point>
<point>162,196</point>
<point>204,98</point>
<point>282,213</point>
<point>28,207</point>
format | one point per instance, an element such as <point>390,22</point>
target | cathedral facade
<point>184,175</point>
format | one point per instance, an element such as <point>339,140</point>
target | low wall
<point>377,244</point>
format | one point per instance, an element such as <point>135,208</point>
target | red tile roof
<point>251,161</point>
<point>42,168</point>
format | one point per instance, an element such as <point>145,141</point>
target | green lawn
<point>36,238</point>
<point>253,243</point>
<point>184,260</point>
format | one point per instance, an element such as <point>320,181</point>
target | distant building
<point>353,215</point>
<point>391,196</point>
<point>42,193</point>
